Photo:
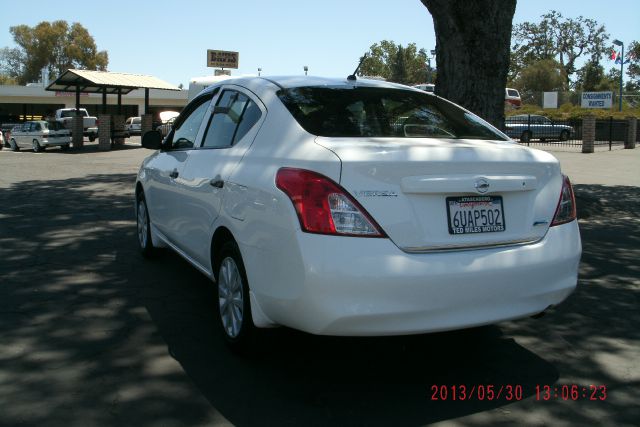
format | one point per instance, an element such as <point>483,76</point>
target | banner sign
<point>597,99</point>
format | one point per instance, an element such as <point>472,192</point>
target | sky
<point>169,39</point>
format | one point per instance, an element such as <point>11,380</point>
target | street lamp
<point>433,55</point>
<point>305,70</point>
<point>619,43</point>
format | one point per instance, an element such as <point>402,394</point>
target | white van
<point>39,134</point>
<point>198,84</point>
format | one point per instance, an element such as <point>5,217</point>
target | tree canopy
<point>557,38</point>
<point>56,46</point>
<point>540,76</point>
<point>633,67</point>
<point>396,63</point>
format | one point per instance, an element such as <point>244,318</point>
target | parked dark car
<point>527,127</point>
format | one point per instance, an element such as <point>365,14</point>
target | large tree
<point>559,38</point>
<point>633,68</point>
<point>396,63</point>
<point>541,76</point>
<point>473,40</point>
<point>591,77</point>
<point>56,46</point>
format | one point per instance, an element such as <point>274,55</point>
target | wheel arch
<point>221,236</point>
<point>139,189</point>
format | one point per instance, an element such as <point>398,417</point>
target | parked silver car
<point>133,126</point>
<point>526,127</point>
<point>39,134</point>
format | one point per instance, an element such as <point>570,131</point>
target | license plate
<point>475,214</point>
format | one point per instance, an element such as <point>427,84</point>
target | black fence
<point>535,130</point>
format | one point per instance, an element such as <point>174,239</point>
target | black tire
<point>14,145</point>
<point>143,227</point>
<point>233,308</point>
<point>92,138</point>
<point>564,135</point>
<point>36,146</point>
<point>525,137</point>
<point>64,147</point>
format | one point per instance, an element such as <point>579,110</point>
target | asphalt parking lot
<point>92,334</point>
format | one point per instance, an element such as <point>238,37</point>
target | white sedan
<point>356,207</point>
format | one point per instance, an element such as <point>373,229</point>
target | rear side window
<point>55,125</point>
<point>381,112</point>
<point>234,115</point>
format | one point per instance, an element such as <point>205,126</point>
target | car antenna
<point>353,76</point>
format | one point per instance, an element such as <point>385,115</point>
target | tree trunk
<point>473,42</point>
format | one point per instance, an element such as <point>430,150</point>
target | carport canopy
<point>105,82</point>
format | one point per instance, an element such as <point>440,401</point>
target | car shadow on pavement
<point>92,147</point>
<point>91,332</point>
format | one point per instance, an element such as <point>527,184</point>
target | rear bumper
<point>357,286</point>
<point>52,142</point>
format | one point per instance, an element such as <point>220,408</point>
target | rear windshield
<point>513,92</point>
<point>381,112</point>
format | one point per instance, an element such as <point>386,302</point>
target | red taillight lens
<point>323,207</point>
<point>566,210</point>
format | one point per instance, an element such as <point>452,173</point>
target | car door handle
<point>217,182</point>
<point>174,174</point>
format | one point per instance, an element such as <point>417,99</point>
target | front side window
<point>186,131</point>
<point>381,112</point>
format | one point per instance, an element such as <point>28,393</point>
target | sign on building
<point>597,99</point>
<point>222,59</point>
<point>221,72</point>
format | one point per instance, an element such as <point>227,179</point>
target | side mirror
<point>152,140</point>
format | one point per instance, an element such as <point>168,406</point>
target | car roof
<point>289,82</point>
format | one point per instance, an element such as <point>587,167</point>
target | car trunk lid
<point>435,194</point>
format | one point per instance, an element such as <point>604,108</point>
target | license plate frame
<point>475,215</point>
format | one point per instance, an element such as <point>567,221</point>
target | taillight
<point>566,210</point>
<point>323,207</point>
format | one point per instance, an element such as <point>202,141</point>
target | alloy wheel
<point>230,297</point>
<point>143,224</point>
